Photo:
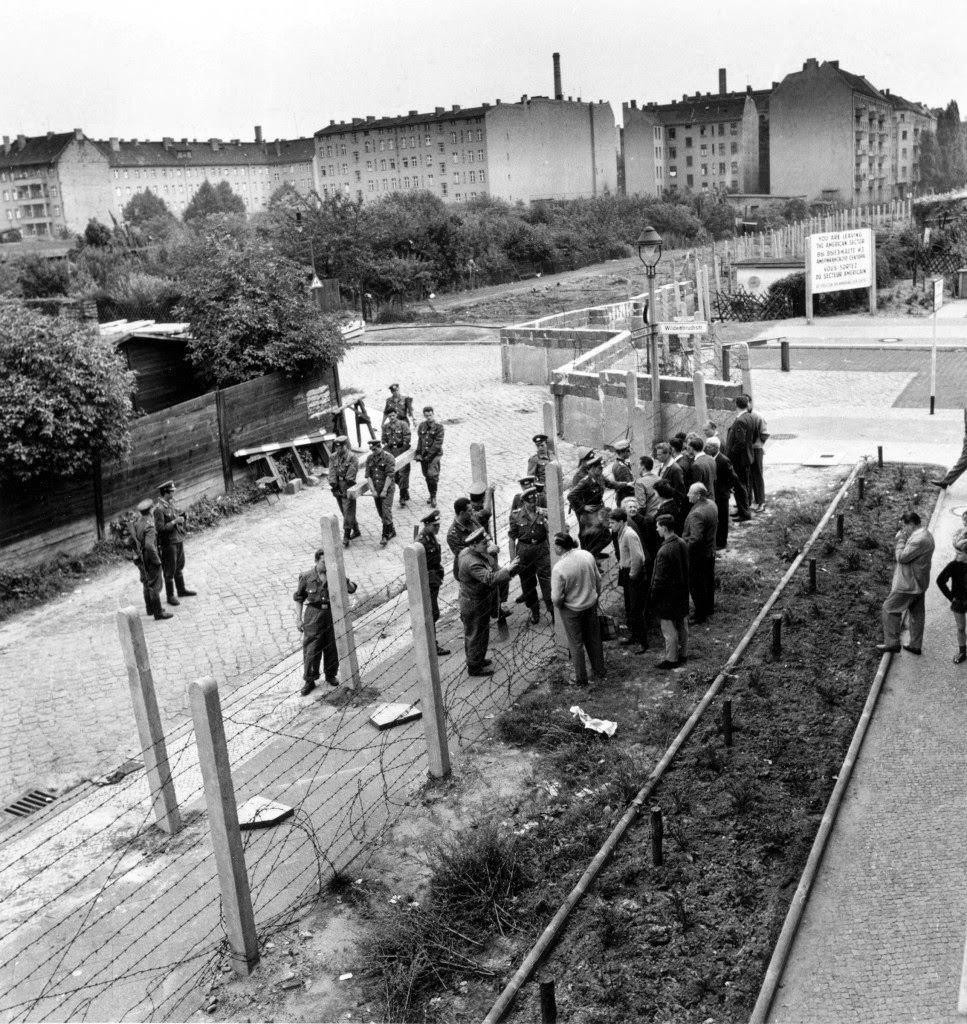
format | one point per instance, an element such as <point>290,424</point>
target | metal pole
<point>655,369</point>
<point>657,835</point>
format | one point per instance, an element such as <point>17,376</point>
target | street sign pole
<point>937,303</point>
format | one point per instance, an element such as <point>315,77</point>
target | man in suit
<point>724,483</point>
<point>913,550</point>
<point>756,472</point>
<point>738,447</point>
<point>699,536</point>
<point>668,467</point>
<point>669,593</point>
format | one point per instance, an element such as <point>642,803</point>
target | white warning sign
<point>841,259</point>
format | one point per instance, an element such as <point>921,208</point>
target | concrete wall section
<point>82,172</point>
<point>638,146</point>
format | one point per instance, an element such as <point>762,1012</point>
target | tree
<point>952,148</point>
<point>42,278</point>
<point>97,234</point>
<point>145,207</point>
<point>210,200</point>
<point>250,311</point>
<point>66,396</point>
<point>929,161</point>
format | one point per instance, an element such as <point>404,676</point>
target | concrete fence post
<point>427,662</point>
<point>740,351</point>
<point>339,600</point>
<point>631,400</point>
<point>150,732</point>
<point>206,710</point>
<point>550,425</point>
<point>478,462</point>
<point>556,523</point>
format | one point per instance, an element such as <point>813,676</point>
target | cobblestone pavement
<point>883,934</point>
<point>62,679</point>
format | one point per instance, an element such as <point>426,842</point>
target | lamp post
<point>315,286</point>
<point>649,252</point>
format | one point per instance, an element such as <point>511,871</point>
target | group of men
<point>158,541</point>
<point>381,474</point>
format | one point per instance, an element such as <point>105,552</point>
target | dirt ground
<point>686,941</point>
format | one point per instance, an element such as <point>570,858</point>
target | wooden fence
<point>190,443</point>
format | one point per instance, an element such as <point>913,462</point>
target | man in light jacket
<point>632,577</point>
<point>914,550</point>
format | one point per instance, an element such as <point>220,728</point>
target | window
<point>480,177</point>
<point>369,165</point>
<point>443,187</point>
<point>392,165</point>
<point>406,183</point>
<point>672,171</point>
<point>382,145</point>
<point>441,147</point>
<point>456,158</point>
<point>733,128</point>
<point>456,177</point>
<point>406,161</point>
<point>480,155</point>
<point>701,130</point>
<point>366,146</point>
<point>688,142</point>
<point>389,143</point>
<point>721,129</point>
<point>688,161</point>
<point>473,178</point>
<point>904,154</point>
<point>342,149</point>
<point>703,150</point>
<point>358,176</point>
<point>735,183</point>
<point>721,149</point>
<point>453,136</point>
<point>372,186</point>
<point>734,148</point>
<point>443,167</point>
<point>672,152</point>
<point>427,140</point>
<point>671,133</point>
<point>479,135</point>
<point>382,165</point>
<point>735,167</point>
<point>345,170</point>
<point>704,170</point>
<point>689,180</point>
<point>722,168</point>
<point>470,156</point>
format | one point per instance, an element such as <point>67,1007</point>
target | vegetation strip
<point>780,954</point>
<point>550,933</point>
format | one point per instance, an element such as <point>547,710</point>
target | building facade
<point>704,142</point>
<point>837,138</point>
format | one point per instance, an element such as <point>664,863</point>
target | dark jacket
<point>669,581</point>
<point>952,582</point>
<point>675,475</point>
<point>700,526</point>
<point>739,440</point>
<point>725,478</point>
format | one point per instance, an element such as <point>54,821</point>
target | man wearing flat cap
<point>479,581</point>
<point>148,559</point>
<point>343,469</point>
<point>528,528</point>
<point>171,524</point>
<point>482,505</point>
<point>380,473</point>
<point>537,463</point>
<point>434,564</point>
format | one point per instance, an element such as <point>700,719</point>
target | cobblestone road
<point>62,680</point>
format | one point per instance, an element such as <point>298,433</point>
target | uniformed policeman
<point>537,463</point>
<point>148,559</point>
<point>402,405</point>
<point>434,564</point>
<point>483,516</point>
<point>479,581</point>
<point>429,451</point>
<point>620,471</point>
<point>313,619</point>
<point>171,524</point>
<point>380,473</point>
<point>528,527</point>
<point>585,454</point>
<point>396,440</point>
<point>587,500</point>
<point>343,469</point>
<point>525,482</point>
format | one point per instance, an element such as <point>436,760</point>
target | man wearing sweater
<point>913,551</point>
<point>632,577</point>
<point>575,588</point>
<point>952,582</point>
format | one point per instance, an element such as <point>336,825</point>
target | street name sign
<point>683,327</point>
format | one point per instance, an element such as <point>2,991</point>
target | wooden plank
<point>363,488</point>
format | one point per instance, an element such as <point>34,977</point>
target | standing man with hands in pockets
<point>913,552</point>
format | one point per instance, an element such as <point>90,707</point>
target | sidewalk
<point>883,934</point>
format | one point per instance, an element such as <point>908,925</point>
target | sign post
<point>838,260</point>
<point>937,303</point>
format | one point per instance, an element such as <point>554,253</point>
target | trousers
<point>431,474</point>
<point>701,583</point>
<point>347,507</point>
<point>384,509</point>
<point>320,645</point>
<point>476,634</point>
<point>894,606</point>
<point>675,632</point>
<point>584,634</point>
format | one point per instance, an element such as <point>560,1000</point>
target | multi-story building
<point>910,120</point>
<point>836,137</point>
<point>51,184</point>
<point>705,142</point>
<point>539,148</point>
<point>174,169</point>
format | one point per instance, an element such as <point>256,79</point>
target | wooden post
<point>812,575</point>
<point>840,526</point>
<point>726,367</point>
<point>427,663</point>
<point>150,731</point>
<point>727,722</point>
<point>224,441</point>
<point>554,489</point>
<point>776,636</point>
<point>206,710</point>
<point>861,486</point>
<point>550,425</point>
<point>548,1003</point>
<point>98,481</point>
<point>879,455</point>
<point>783,355</point>
<point>339,599</point>
<point>657,835</point>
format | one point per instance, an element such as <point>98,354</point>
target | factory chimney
<point>558,91</point>
<point>722,89</point>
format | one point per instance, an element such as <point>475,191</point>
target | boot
<point>345,540</point>
<point>183,591</point>
<point>157,610</point>
<point>356,533</point>
<point>170,592</point>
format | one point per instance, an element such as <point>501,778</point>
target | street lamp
<point>649,252</point>
<point>315,285</point>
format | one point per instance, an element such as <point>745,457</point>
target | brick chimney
<point>21,142</point>
<point>167,142</point>
<point>216,144</point>
<point>115,144</point>
<point>558,91</point>
<point>439,110</point>
<point>78,135</point>
<point>723,90</point>
<point>6,145</point>
<point>258,135</point>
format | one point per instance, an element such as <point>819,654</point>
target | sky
<point>209,68</point>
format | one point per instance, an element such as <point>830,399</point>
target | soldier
<point>171,524</point>
<point>525,483</point>
<point>429,451</point>
<point>528,527</point>
<point>620,471</point>
<point>380,474</point>
<point>148,560</point>
<point>434,565</point>
<point>587,500</point>
<point>396,440</point>
<point>462,526</point>
<point>584,457</point>
<point>478,582</point>
<point>402,405</point>
<point>313,619</point>
<point>343,469</point>
<point>537,463</point>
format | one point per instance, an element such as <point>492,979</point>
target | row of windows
<point>733,184</point>
<point>734,168</point>
<point>22,193</point>
<point>16,214</point>
<point>206,172</point>
<point>704,130</point>
<point>26,172</point>
<point>412,142</point>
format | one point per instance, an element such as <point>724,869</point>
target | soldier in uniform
<point>620,471</point>
<point>396,440</point>
<point>434,565</point>
<point>478,582</point>
<point>483,517</point>
<point>380,473</point>
<point>462,526</point>
<point>148,559</point>
<point>429,451</point>
<point>313,619</point>
<point>170,523</point>
<point>525,482</point>
<point>587,500</point>
<point>343,469</point>
<point>528,527</point>
<point>537,463</point>
<point>584,457</point>
<point>402,405</point>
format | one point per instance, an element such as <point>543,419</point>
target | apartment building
<point>836,137</point>
<point>704,142</point>
<point>175,169</point>
<point>51,183</point>
<point>539,148</point>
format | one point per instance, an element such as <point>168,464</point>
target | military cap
<point>342,439</point>
<point>540,439</point>
<point>168,485</point>
<point>145,506</point>
<point>593,460</point>
<point>623,445</point>
<point>584,453</point>
<point>431,517</point>
<point>374,442</point>
<point>526,481</point>
<point>479,534</point>
<point>477,489</point>
<point>393,386</point>
<point>529,492</point>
